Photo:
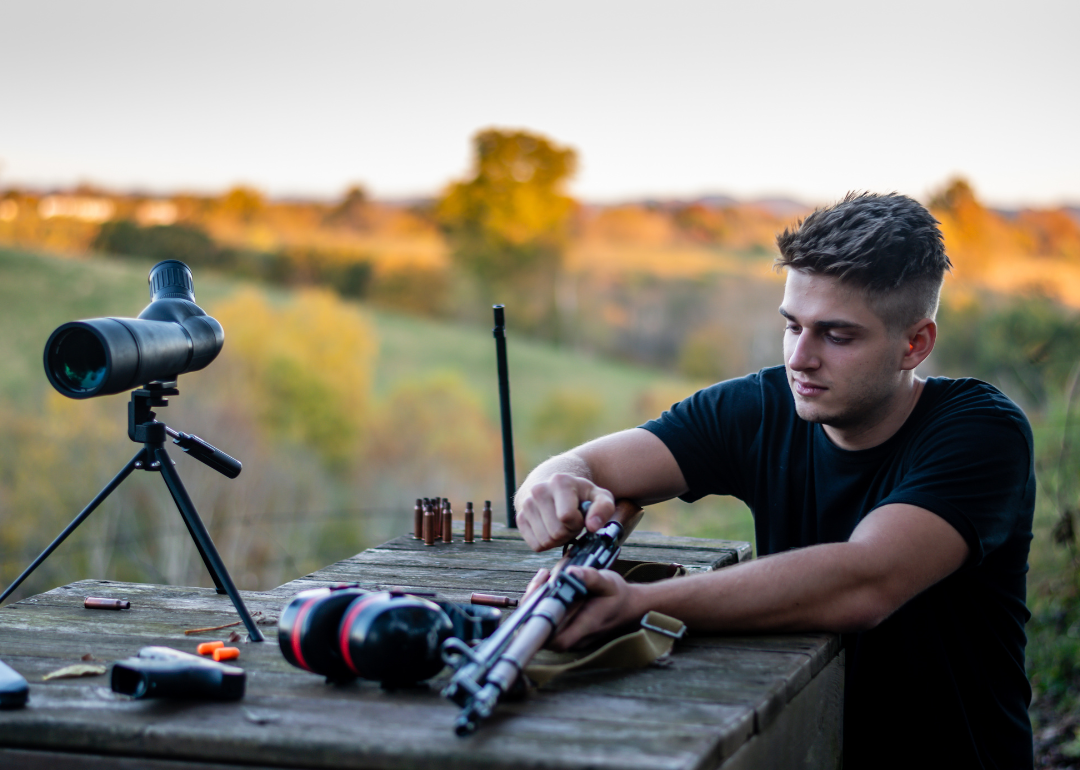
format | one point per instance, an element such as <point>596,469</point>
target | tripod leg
<point>123,474</point>
<point>203,542</point>
<point>191,530</point>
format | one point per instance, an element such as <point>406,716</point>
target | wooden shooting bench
<point>730,702</point>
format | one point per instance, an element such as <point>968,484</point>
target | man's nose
<point>803,353</point>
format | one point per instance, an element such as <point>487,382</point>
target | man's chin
<point>810,412</point>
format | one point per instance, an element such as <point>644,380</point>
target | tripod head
<point>144,428</point>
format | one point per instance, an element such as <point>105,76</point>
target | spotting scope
<point>171,336</point>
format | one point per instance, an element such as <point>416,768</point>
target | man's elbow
<point>866,610</point>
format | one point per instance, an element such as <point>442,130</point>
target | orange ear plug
<point>206,648</point>
<point>226,653</point>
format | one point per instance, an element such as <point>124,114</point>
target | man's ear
<point>919,338</point>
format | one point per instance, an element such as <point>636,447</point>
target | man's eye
<point>793,328</point>
<point>837,340</point>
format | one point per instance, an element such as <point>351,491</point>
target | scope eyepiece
<point>171,279</point>
<point>171,336</point>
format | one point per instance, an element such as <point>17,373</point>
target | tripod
<point>145,429</point>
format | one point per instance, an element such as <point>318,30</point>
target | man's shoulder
<point>971,415</point>
<point>733,409</point>
<point>950,400</point>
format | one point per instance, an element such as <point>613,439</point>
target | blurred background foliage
<point>358,372</point>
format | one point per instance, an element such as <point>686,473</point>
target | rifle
<point>484,674</point>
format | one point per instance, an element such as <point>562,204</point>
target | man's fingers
<point>525,525</point>
<point>601,508</point>
<point>539,502</point>
<point>549,512</point>
<point>598,583</point>
<point>567,494</point>
<point>538,580</point>
<point>602,612</point>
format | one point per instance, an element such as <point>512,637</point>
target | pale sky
<point>756,98</point>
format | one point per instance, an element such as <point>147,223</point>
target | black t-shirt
<point>941,682</point>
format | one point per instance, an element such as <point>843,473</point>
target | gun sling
<point>637,649</point>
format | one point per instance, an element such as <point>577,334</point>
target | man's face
<point>843,364</point>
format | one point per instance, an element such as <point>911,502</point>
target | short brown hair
<point>887,245</point>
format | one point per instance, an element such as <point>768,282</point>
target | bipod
<point>144,428</point>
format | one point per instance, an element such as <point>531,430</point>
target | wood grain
<point>713,697</point>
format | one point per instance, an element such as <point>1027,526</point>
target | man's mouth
<point>808,389</point>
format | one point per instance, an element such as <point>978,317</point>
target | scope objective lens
<point>77,360</point>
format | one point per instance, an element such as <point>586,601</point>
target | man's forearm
<point>832,587</point>
<point>568,462</point>
<point>895,553</point>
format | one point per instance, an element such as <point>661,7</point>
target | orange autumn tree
<point>509,223</point>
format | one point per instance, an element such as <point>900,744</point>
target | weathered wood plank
<point>453,555</point>
<point>504,551</point>
<point>700,709</point>
<point>807,734</point>
<point>324,734</point>
<point>641,538</point>
<point>819,647</point>
<point>21,759</point>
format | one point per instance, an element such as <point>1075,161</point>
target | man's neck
<point>878,431</point>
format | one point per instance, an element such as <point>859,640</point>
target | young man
<point>894,510</point>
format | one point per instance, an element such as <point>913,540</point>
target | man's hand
<point>612,604</point>
<point>548,512</point>
<point>632,465</point>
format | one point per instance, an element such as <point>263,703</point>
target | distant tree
<point>701,223</point>
<point>1027,346</point>
<point>243,203</point>
<point>955,197</point>
<point>513,216</point>
<point>352,211</point>
<point>974,235</point>
<point>631,224</point>
<point>1053,233</point>
<point>187,243</point>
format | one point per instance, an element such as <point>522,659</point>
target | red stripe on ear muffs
<point>346,624</point>
<point>297,632</point>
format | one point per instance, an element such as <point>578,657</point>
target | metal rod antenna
<point>504,410</point>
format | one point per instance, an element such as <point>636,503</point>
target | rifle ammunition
<point>418,520</point>
<point>485,533</point>
<point>491,600</point>
<point>97,603</point>
<point>429,526</point>
<point>468,523</point>
<point>447,523</point>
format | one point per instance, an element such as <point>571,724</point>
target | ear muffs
<point>396,640</point>
<point>346,632</point>
<point>308,630</point>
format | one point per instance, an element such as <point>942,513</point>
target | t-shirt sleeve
<point>705,433</point>
<point>976,473</point>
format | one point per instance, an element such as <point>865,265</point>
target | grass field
<point>38,292</point>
